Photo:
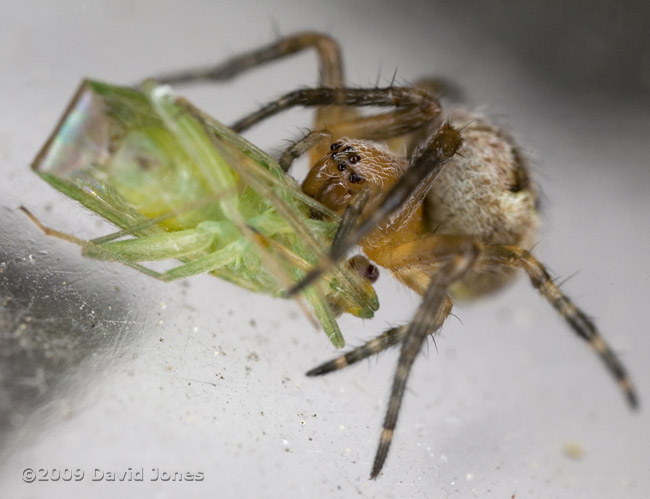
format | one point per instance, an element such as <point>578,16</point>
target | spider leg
<point>442,89</point>
<point>329,56</point>
<point>422,324</point>
<point>384,341</point>
<point>423,168</point>
<point>415,108</point>
<point>330,69</point>
<point>579,322</point>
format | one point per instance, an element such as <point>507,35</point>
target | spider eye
<point>348,148</point>
<point>354,158</point>
<point>354,178</point>
<point>341,167</point>
<point>335,146</point>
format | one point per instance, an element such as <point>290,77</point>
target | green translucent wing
<point>176,180</point>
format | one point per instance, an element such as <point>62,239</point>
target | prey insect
<point>448,206</point>
<point>182,186</point>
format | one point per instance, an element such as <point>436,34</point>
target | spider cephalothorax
<point>450,208</point>
<point>349,167</point>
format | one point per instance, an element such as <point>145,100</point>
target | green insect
<point>182,186</point>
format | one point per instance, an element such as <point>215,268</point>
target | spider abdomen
<point>485,192</point>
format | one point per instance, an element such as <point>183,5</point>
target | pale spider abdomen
<point>484,191</point>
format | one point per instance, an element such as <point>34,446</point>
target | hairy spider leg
<point>414,109</point>
<point>378,344</point>
<point>576,318</point>
<point>462,254</point>
<point>328,51</point>
<point>401,260</point>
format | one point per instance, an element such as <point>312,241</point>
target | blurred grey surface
<point>103,368</point>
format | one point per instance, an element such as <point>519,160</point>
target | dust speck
<point>573,450</point>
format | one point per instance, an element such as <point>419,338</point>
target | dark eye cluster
<point>352,159</point>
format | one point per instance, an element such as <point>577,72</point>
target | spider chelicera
<point>452,215</point>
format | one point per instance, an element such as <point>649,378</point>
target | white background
<point>105,368</point>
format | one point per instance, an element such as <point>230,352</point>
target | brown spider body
<point>449,208</point>
<point>484,192</point>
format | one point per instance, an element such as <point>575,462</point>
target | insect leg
<point>84,244</point>
<point>164,246</point>
<point>52,232</point>
<point>180,244</point>
<point>579,322</point>
<point>209,262</point>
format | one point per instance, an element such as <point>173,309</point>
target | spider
<point>454,218</point>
